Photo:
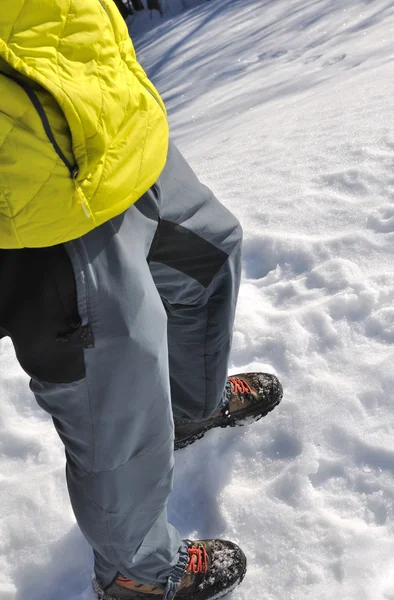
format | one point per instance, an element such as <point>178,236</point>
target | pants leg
<point>196,265</point>
<point>112,406</point>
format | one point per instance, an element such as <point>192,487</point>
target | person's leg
<point>195,261</point>
<point>105,382</point>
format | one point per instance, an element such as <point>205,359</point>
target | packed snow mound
<point>283,107</point>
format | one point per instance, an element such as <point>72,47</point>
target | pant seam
<point>86,279</point>
<point>89,322</point>
<point>205,360</point>
<point>207,324</point>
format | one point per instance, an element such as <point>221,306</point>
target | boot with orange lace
<point>214,569</point>
<point>248,398</point>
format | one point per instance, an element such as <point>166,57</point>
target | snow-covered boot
<point>215,568</point>
<point>250,396</point>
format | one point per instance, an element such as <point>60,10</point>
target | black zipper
<point>73,169</point>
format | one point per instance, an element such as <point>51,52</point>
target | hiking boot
<point>214,569</point>
<point>250,396</point>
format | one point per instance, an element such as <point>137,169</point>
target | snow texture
<point>283,107</point>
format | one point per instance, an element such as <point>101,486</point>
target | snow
<point>283,107</point>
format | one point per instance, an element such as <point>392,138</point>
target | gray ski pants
<point>156,291</point>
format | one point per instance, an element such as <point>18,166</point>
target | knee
<point>236,236</point>
<point>230,230</point>
<point>239,233</point>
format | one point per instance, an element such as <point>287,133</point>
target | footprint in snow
<point>350,485</point>
<point>382,221</point>
<point>284,445</point>
<point>373,400</point>
<point>313,58</point>
<point>380,325</point>
<point>333,60</point>
<point>335,274</point>
<point>272,54</point>
<point>349,182</point>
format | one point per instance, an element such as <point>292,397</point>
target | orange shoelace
<point>124,580</point>
<point>201,564</point>
<point>240,385</point>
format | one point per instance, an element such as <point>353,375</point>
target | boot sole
<point>101,595</point>
<point>248,416</point>
<point>123,595</point>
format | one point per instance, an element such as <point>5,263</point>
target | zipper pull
<point>83,201</point>
<point>85,208</point>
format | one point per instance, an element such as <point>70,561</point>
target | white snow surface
<point>283,107</point>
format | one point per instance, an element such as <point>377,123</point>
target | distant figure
<point>127,7</point>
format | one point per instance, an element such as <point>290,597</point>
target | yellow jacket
<point>83,132</point>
